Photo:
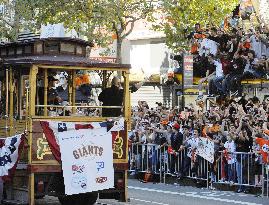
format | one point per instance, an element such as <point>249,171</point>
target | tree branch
<point>6,22</point>
<point>130,30</point>
<point>115,29</point>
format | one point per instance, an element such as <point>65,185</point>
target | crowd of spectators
<point>238,125</point>
<point>226,55</point>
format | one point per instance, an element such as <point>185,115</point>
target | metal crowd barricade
<point>147,157</point>
<point>238,168</point>
<point>265,179</point>
<point>180,165</point>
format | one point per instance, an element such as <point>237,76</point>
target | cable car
<point>29,69</point>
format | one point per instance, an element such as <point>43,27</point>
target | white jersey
<point>230,148</point>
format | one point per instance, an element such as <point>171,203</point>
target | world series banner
<point>206,149</point>
<point>87,160</point>
<point>86,152</point>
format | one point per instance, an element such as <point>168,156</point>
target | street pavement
<point>161,194</point>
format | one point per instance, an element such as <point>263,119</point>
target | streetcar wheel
<point>78,199</point>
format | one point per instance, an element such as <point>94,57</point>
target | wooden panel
<point>121,166</point>
<point>41,152</point>
<point>37,168</point>
<point>119,146</point>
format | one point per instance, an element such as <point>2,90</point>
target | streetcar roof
<point>62,60</point>
<point>53,52</point>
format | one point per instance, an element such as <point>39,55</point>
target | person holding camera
<point>243,145</point>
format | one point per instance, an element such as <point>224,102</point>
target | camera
<point>244,120</point>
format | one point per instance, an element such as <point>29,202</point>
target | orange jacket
<point>264,144</point>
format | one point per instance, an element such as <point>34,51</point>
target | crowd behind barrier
<point>229,143</point>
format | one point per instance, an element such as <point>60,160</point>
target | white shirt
<point>208,46</point>
<point>193,143</point>
<point>230,147</point>
<point>256,46</point>
<point>219,71</point>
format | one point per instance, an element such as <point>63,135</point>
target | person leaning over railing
<point>244,142</point>
<point>176,142</point>
<point>190,145</point>
<point>161,141</point>
<point>136,150</point>
<point>258,160</point>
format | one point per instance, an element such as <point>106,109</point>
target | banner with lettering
<point>52,129</point>
<point>87,160</point>
<point>10,148</point>
<point>206,149</point>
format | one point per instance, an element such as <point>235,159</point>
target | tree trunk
<point>119,44</point>
<point>16,24</point>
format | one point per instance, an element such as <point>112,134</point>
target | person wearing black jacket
<point>176,142</point>
<point>243,145</point>
<point>113,96</point>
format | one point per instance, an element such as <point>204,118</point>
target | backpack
<point>148,177</point>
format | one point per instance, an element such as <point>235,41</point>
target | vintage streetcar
<point>52,80</point>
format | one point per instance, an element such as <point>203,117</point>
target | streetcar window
<point>39,48</point>
<point>68,48</point>
<point>70,93</point>
<point>28,49</point>
<point>79,50</point>
<point>3,52</point>
<point>11,51</point>
<point>52,47</point>
<point>19,50</point>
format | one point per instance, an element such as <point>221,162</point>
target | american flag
<point>10,150</point>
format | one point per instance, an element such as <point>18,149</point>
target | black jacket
<point>112,96</point>
<point>176,140</point>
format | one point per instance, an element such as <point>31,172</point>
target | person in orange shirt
<point>194,47</point>
<point>264,148</point>
<point>210,128</point>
